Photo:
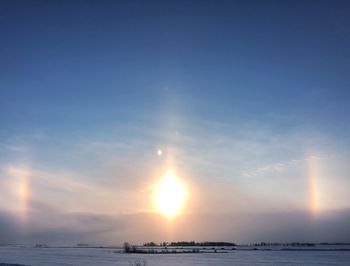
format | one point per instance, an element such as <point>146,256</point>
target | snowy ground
<point>109,256</point>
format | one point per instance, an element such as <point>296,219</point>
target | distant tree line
<point>134,249</point>
<point>188,243</point>
<point>129,248</point>
<point>293,244</point>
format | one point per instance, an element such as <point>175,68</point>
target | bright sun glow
<point>170,195</point>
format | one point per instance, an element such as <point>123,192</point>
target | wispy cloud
<point>279,167</point>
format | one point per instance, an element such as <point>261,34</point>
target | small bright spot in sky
<point>159,152</point>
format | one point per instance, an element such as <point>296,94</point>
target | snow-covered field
<point>109,256</point>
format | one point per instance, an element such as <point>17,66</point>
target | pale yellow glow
<point>170,195</point>
<point>21,187</point>
<point>313,191</point>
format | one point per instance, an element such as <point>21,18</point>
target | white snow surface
<point>113,256</point>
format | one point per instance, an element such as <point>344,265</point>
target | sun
<point>170,195</point>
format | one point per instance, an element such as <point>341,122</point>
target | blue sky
<point>242,97</point>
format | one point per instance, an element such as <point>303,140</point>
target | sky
<point>248,102</point>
